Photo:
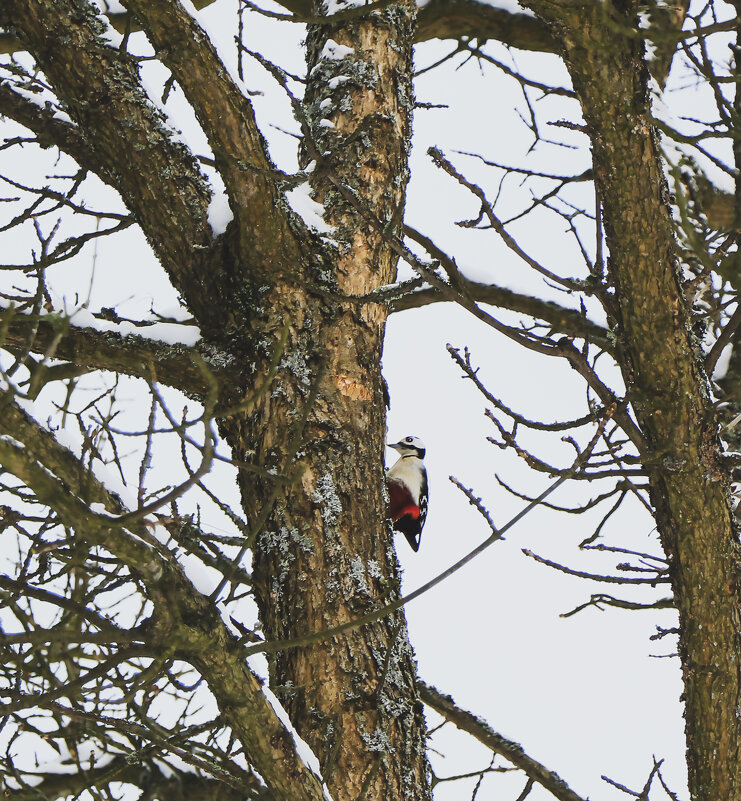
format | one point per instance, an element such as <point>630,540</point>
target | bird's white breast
<point>408,470</point>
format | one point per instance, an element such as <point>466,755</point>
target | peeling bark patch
<point>351,388</point>
<point>373,313</point>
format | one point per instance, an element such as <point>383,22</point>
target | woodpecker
<point>407,484</point>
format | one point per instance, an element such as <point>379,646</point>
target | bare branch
<point>494,221</point>
<point>511,751</point>
<point>658,579</point>
<point>559,318</point>
<point>724,339</point>
<point>227,117</point>
<point>90,349</point>
<point>188,625</point>
<point>599,600</point>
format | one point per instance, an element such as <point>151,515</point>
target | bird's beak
<point>396,446</point>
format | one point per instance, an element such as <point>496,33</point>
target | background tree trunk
<point>662,366</point>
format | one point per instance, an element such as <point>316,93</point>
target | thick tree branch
<point>158,177</point>
<point>147,777</point>
<point>188,626</point>
<point>228,120</point>
<point>50,131</point>
<point>171,365</point>
<point>451,19</point>
<point>567,321</point>
<point>662,366</point>
<point>511,751</point>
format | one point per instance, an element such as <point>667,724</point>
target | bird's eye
<point>409,439</point>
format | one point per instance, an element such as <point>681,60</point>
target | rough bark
<point>662,368</point>
<point>325,553</point>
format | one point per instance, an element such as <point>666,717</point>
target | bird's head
<point>410,446</point>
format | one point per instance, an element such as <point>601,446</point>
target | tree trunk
<point>662,366</point>
<point>325,555</point>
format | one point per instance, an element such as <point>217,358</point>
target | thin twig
<point>725,337</point>
<point>595,577</point>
